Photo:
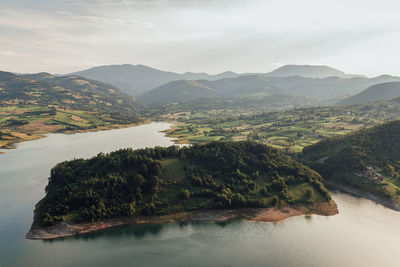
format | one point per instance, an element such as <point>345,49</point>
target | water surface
<point>363,234</point>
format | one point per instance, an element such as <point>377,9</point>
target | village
<point>371,174</point>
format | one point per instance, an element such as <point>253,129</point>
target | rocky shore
<point>389,203</point>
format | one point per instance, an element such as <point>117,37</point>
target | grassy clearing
<point>24,122</point>
<point>298,192</point>
<point>173,169</point>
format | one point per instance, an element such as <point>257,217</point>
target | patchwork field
<point>27,122</point>
<point>290,130</point>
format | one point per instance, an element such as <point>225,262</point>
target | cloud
<point>199,35</point>
<point>8,53</point>
<point>106,20</point>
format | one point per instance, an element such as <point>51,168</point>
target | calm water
<point>363,234</point>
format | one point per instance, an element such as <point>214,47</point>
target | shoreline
<point>40,134</point>
<point>363,194</point>
<point>66,229</point>
<point>176,137</point>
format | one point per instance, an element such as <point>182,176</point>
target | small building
<point>369,172</point>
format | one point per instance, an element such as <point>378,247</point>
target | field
<point>290,130</point>
<point>27,122</point>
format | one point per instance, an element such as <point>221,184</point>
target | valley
<point>257,112</point>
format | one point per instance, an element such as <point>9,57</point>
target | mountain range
<point>137,79</point>
<point>261,85</point>
<point>312,82</point>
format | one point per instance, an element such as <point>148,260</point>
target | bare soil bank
<point>66,229</point>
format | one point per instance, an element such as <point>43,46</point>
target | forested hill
<point>376,92</point>
<point>377,146</point>
<point>217,175</point>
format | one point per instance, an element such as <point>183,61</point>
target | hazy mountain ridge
<point>308,71</point>
<point>376,92</point>
<point>249,85</point>
<point>137,79</point>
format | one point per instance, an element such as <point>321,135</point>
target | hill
<point>41,103</point>
<point>367,160</point>
<point>137,79</point>
<point>308,71</point>
<point>260,86</point>
<point>178,91</point>
<point>160,181</point>
<point>65,92</point>
<point>376,92</point>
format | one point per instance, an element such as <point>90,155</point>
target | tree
<point>185,194</point>
<point>308,194</point>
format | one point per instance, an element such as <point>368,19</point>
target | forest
<point>159,181</point>
<point>345,159</point>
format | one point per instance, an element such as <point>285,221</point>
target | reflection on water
<point>126,231</point>
<point>363,234</point>
<point>137,232</point>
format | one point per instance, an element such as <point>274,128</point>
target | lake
<point>363,234</point>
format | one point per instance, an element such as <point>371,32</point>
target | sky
<point>62,36</point>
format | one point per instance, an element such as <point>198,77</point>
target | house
<point>369,172</point>
<point>372,174</point>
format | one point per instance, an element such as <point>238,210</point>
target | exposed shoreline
<point>42,134</point>
<point>360,193</point>
<point>66,229</point>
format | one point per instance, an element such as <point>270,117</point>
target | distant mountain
<point>376,92</point>
<point>308,71</point>
<point>258,84</point>
<point>137,79</point>
<point>71,92</point>
<point>177,91</point>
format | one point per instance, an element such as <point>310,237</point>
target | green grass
<point>298,192</point>
<point>173,169</point>
<point>204,139</point>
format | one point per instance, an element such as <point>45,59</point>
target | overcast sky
<point>356,36</point>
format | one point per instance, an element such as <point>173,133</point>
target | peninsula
<point>216,181</point>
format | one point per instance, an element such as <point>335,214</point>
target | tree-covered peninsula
<point>160,181</point>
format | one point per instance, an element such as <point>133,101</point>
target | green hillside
<point>41,103</point>
<point>347,159</point>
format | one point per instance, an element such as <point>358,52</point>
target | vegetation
<point>345,159</point>
<point>38,103</point>
<point>218,175</point>
<point>291,130</point>
<point>261,85</point>
<point>374,93</point>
